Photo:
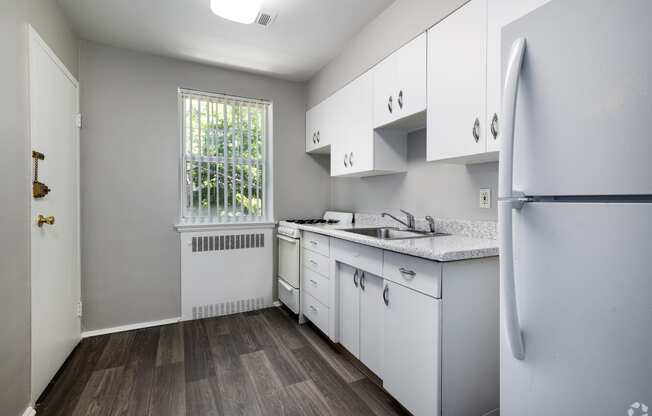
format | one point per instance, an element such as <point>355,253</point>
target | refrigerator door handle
<point>509,200</point>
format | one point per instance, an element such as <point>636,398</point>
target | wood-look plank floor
<point>253,364</point>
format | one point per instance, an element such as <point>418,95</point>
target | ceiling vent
<point>265,18</point>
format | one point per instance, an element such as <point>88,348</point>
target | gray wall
<point>130,159</point>
<point>436,189</point>
<point>439,190</point>
<point>48,20</point>
<point>402,21</point>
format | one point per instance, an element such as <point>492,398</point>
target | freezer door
<point>583,121</point>
<point>584,293</point>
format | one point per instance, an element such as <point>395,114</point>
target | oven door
<point>288,260</point>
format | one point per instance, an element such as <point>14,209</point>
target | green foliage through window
<point>224,156</point>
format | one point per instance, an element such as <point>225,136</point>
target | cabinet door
<point>412,349</point>
<point>355,126</point>
<point>311,137</point>
<point>500,13</point>
<point>456,84</point>
<point>385,107</point>
<point>410,90</point>
<point>371,322</point>
<point>349,309</point>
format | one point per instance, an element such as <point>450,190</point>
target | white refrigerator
<point>575,210</point>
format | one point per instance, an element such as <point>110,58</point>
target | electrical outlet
<point>485,198</point>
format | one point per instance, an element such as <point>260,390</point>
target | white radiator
<point>225,272</point>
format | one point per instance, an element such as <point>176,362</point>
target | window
<point>224,165</point>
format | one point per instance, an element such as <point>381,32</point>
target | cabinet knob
<point>390,104</point>
<point>476,130</point>
<point>400,99</point>
<point>494,126</point>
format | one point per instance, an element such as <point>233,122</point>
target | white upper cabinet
<point>499,14</point>
<point>319,127</point>
<point>400,87</point>
<point>456,84</point>
<point>357,149</point>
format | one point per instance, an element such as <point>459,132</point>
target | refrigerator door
<point>583,122</point>
<point>583,279</point>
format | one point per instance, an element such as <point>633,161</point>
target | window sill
<point>200,227</point>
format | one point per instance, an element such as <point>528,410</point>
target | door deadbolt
<point>39,189</point>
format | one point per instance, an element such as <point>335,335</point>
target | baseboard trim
<point>29,411</point>
<point>129,327</point>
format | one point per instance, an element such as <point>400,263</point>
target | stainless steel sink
<point>392,233</point>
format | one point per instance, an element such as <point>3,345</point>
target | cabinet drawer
<point>368,259</point>
<point>316,285</point>
<point>417,274</point>
<point>316,262</point>
<point>316,312</point>
<point>317,242</point>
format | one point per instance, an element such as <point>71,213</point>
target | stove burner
<point>313,221</point>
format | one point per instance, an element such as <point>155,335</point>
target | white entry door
<point>55,270</point>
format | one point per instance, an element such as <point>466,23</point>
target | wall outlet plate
<point>485,198</point>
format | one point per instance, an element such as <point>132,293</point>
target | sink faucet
<point>410,219</point>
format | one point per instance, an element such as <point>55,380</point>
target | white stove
<point>289,255</point>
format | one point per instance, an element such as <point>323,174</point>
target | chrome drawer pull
<point>312,308</point>
<point>386,295</point>
<point>314,282</point>
<point>313,242</point>
<point>407,272</point>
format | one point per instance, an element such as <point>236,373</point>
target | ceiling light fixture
<point>241,11</point>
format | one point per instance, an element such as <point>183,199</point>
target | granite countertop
<point>443,248</point>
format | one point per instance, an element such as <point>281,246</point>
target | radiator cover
<point>225,272</point>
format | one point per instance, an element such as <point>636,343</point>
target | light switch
<point>485,198</point>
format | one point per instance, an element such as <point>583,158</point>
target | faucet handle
<point>410,218</point>
<point>431,223</point>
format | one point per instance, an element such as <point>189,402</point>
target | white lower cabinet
<point>371,322</point>
<point>361,316</point>
<point>349,296</point>
<point>412,349</point>
<point>435,350</point>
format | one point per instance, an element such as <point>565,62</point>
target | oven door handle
<point>286,286</point>
<point>288,239</point>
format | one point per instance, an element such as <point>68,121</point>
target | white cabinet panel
<point>384,75</point>
<point>316,242</point>
<point>499,14</point>
<point>317,285</point>
<point>411,77</point>
<point>418,274</point>
<point>316,312</point>
<point>349,309</point>
<point>319,127</point>
<point>412,349</point>
<point>456,84</point>
<point>371,322</point>
<point>400,83</point>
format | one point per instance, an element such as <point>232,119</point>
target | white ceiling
<point>306,35</point>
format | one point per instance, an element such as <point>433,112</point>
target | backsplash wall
<point>427,188</point>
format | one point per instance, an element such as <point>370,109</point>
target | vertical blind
<point>224,141</point>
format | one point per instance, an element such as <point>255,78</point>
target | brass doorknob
<point>44,220</point>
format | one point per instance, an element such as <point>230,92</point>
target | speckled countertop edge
<point>443,248</point>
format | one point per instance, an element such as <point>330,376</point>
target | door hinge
<point>79,309</point>
<point>78,120</point>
